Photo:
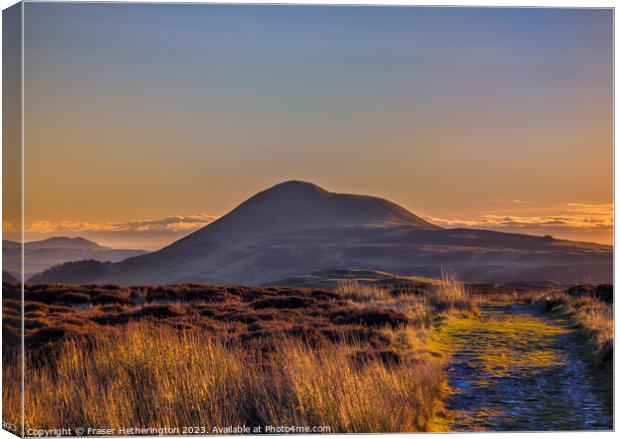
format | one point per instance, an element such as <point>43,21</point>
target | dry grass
<point>258,317</point>
<point>593,315</point>
<point>11,391</point>
<point>150,375</point>
<point>368,398</point>
<point>410,301</point>
<point>363,292</point>
<point>355,359</point>
<point>450,294</point>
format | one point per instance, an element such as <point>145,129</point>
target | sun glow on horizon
<point>570,221</point>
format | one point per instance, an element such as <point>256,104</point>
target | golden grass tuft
<point>595,317</point>
<point>149,375</point>
<point>450,294</point>
<point>368,398</point>
<point>363,292</point>
<point>11,391</point>
<point>414,306</point>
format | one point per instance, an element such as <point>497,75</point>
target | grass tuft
<point>594,316</point>
<point>450,295</point>
<point>145,375</point>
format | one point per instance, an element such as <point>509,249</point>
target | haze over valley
<point>41,255</point>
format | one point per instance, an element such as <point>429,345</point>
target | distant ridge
<point>44,254</point>
<point>58,242</point>
<point>66,242</point>
<point>296,228</point>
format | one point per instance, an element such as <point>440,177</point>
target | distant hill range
<point>297,228</point>
<point>41,255</point>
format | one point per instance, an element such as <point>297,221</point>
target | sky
<point>144,122</point>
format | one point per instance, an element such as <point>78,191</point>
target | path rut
<point>516,369</point>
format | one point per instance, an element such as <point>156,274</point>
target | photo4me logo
<point>297,429</point>
<point>270,429</point>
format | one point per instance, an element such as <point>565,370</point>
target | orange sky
<point>139,131</point>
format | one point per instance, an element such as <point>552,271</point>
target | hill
<point>298,228</point>
<point>44,254</point>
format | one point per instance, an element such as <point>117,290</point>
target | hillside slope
<point>297,228</point>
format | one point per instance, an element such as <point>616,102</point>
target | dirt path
<point>515,368</point>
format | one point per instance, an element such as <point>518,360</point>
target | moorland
<point>363,356</point>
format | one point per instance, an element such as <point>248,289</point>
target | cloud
<point>570,219</point>
<point>581,221</point>
<point>148,234</point>
<point>515,201</point>
<point>175,223</point>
